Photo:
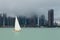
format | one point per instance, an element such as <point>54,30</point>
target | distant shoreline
<point>31,27</point>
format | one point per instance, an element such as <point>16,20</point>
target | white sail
<point>17,26</point>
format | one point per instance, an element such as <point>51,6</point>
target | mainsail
<point>17,26</point>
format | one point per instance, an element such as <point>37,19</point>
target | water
<point>30,34</point>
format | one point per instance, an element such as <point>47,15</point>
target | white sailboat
<point>17,26</point>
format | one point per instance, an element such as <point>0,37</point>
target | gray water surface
<point>30,34</point>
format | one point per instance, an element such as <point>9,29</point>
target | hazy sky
<point>27,7</point>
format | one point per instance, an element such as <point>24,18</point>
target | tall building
<point>1,20</point>
<point>4,19</point>
<point>50,17</point>
<point>42,20</point>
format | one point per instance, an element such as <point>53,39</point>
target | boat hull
<point>16,30</point>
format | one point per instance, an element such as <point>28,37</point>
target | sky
<point>28,7</point>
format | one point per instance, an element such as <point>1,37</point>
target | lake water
<point>30,34</point>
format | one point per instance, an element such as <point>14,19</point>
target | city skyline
<point>32,21</point>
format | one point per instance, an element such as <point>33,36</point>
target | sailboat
<point>17,26</point>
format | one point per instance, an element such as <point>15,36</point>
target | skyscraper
<point>50,17</point>
<point>42,20</point>
<point>4,19</point>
